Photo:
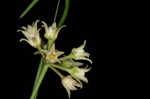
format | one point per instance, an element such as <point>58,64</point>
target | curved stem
<point>65,13</point>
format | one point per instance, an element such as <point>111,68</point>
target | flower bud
<point>70,84</point>
<point>79,73</point>
<point>80,54</point>
<point>51,32</point>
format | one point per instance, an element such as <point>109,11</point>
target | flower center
<point>51,56</point>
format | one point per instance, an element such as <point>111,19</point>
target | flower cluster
<point>53,58</point>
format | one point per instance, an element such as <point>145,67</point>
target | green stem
<point>56,11</point>
<point>49,44</point>
<point>66,57</point>
<point>28,8</point>
<point>42,74</point>
<point>60,67</point>
<point>57,72</point>
<point>65,13</point>
<point>38,73</point>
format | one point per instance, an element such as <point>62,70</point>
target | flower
<point>70,84</point>
<point>52,31</point>
<point>79,73</point>
<point>52,55</point>
<point>80,54</point>
<point>32,34</point>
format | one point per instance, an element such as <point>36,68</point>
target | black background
<point>113,30</point>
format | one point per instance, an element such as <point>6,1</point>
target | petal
<point>24,40</point>
<point>45,27</point>
<point>24,28</point>
<point>83,45</point>
<point>85,54</point>
<point>78,84</point>
<point>83,58</point>
<point>69,93</point>
<point>76,64</point>
<point>61,28</point>
<point>35,24</point>
<point>24,33</point>
<point>81,85</point>
<point>84,79</point>
<point>29,29</point>
<point>86,69</point>
<point>73,88</point>
<point>27,41</point>
<point>59,53</point>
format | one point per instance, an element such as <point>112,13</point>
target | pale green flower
<point>31,32</point>
<point>52,31</point>
<point>79,73</point>
<point>80,54</point>
<point>70,84</point>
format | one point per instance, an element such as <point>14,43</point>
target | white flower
<point>52,55</point>
<point>80,54</point>
<point>70,84</point>
<point>52,31</point>
<point>79,73</point>
<point>31,32</point>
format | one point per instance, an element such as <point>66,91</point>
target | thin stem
<point>56,11</point>
<point>65,13</point>
<point>66,57</point>
<point>42,74</point>
<point>28,8</point>
<point>57,72</point>
<point>49,44</point>
<point>59,67</point>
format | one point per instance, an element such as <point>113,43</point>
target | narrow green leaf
<point>56,11</point>
<point>28,8</point>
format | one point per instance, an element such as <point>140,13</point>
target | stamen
<point>52,56</point>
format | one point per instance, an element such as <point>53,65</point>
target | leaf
<point>31,5</point>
